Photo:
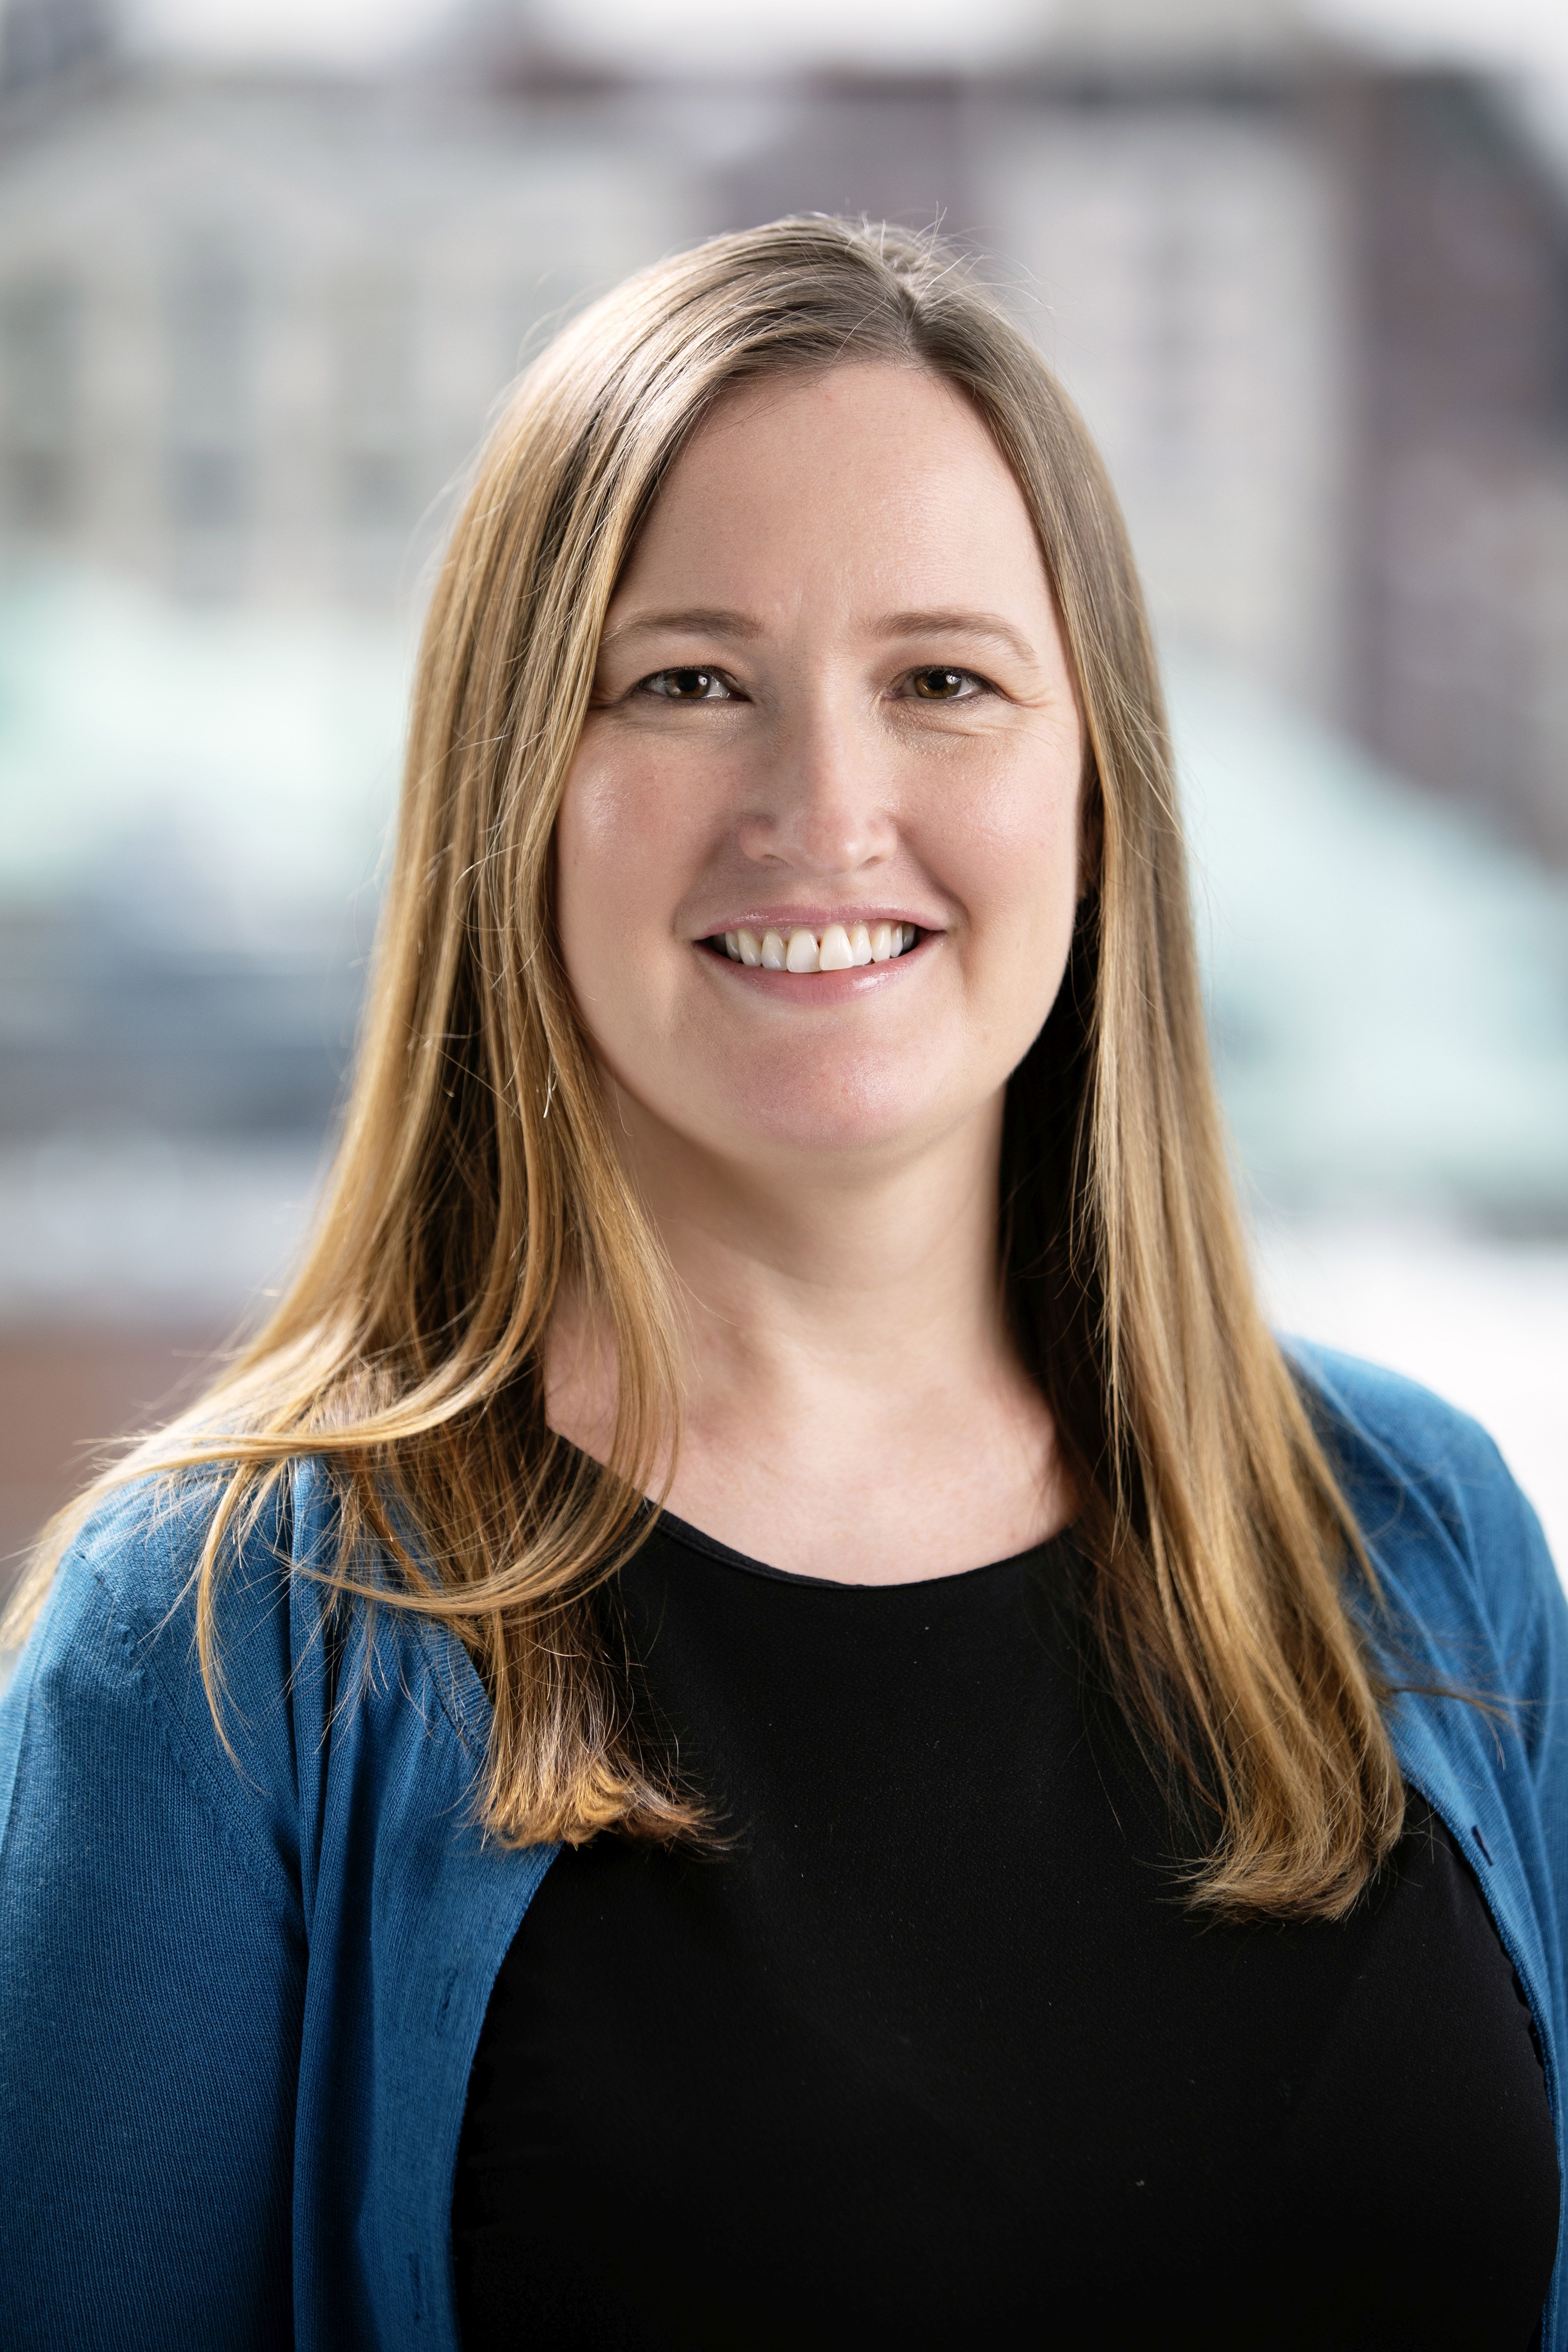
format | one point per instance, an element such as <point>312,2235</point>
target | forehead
<point>868,475</point>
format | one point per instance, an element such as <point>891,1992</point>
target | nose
<point>820,804</point>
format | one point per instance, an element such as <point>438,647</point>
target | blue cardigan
<point>238,2005</point>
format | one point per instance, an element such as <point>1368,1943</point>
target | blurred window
<point>207,487</point>
<point>1175,260</point>
<point>41,332</point>
<point>375,488</point>
<point>212,362</point>
<point>40,38</point>
<point>375,327</point>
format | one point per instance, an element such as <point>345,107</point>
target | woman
<point>996,1860</point>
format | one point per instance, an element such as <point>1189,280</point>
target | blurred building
<point>251,330</point>
<point>1315,309</point>
<point>251,325</point>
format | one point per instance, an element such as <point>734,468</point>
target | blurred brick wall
<point>64,1393</point>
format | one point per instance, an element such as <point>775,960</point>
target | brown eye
<point>687,685</point>
<point>940,685</point>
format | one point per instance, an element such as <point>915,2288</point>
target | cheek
<point>637,825</point>
<point>617,859</point>
<point>1014,862</point>
<point>603,836</point>
<point>627,842</point>
<point>1019,882</point>
<point>597,860</point>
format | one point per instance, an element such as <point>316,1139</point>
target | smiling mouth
<point>834,948</point>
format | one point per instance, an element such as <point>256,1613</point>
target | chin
<point>841,1112</point>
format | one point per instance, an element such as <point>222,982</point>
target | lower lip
<point>808,988</point>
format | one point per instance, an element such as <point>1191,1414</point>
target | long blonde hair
<point>476,1177</point>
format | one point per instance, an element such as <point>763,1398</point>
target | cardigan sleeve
<point>1442,1512</point>
<point>1525,1605</point>
<point>152,1965</point>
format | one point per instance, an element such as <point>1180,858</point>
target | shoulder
<point>1438,1509</point>
<point>1392,1429</point>
<point>109,1705</point>
<point>128,1578</point>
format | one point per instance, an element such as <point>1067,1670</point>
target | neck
<point>838,1316</point>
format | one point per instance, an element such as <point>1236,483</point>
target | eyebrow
<point>697,621</point>
<point>990,626</point>
<point>719,621</point>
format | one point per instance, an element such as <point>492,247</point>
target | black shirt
<point>933,2054</point>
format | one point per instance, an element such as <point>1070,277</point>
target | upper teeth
<point>837,949</point>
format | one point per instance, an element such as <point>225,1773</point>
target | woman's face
<point>832,707</point>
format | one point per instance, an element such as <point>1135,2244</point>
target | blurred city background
<point>265,270</point>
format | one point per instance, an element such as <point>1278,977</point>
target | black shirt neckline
<point>681,1532</point>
